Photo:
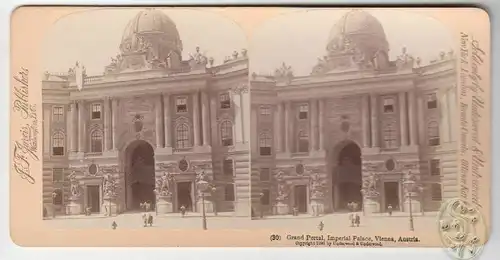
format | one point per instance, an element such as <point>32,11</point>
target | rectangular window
<point>431,101</point>
<point>435,169</point>
<point>389,105</point>
<point>436,193</point>
<point>181,104</point>
<point>265,198</point>
<point>225,101</point>
<point>96,111</point>
<point>265,110</point>
<point>57,175</point>
<point>265,150</point>
<point>303,111</point>
<point>228,167</point>
<point>58,113</point>
<point>265,174</point>
<point>229,192</point>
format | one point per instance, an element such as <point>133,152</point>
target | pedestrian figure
<point>351,219</point>
<point>321,226</point>
<point>114,225</point>
<point>183,210</point>
<point>145,219</point>
<point>150,220</point>
<point>389,209</point>
<point>295,211</point>
<point>357,220</point>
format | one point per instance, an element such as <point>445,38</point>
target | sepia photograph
<point>144,120</point>
<point>356,120</point>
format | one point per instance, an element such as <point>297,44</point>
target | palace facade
<point>360,128</point>
<point>150,129</point>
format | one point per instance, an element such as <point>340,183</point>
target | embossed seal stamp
<point>462,229</point>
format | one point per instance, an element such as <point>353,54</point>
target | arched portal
<point>347,180</point>
<point>140,175</point>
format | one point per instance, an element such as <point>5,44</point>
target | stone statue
<point>201,176</point>
<point>109,186</point>
<point>75,186</point>
<point>164,185</point>
<point>282,188</point>
<point>370,186</point>
<point>198,57</point>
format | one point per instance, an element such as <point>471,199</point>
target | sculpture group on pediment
<point>404,60</point>
<point>284,73</point>
<point>198,57</point>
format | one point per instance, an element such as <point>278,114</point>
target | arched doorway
<point>347,181</point>
<point>140,175</point>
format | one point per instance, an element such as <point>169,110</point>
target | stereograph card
<point>246,126</point>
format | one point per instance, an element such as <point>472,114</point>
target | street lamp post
<point>214,189</point>
<point>410,186</point>
<point>202,187</point>
<point>54,195</point>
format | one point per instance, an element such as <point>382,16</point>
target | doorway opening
<point>300,196</point>
<point>391,195</point>
<point>140,175</point>
<point>184,195</point>
<point>93,198</point>
<point>347,180</point>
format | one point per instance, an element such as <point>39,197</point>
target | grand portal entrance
<point>347,180</point>
<point>140,175</point>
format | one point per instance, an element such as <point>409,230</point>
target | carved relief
<point>164,185</point>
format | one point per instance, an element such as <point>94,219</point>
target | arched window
<point>182,136</point>
<point>433,133</point>
<point>265,143</point>
<point>303,142</point>
<point>58,144</point>
<point>96,141</point>
<point>57,197</point>
<point>226,133</point>
<point>390,136</point>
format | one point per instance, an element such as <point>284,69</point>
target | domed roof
<point>361,29</point>
<point>156,28</point>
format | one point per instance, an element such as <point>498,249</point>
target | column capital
<point>240,88</point>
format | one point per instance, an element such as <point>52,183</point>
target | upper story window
<point>227,166</point>
<point>433,133</point>
<point>58,144</point>
<point>303,142</point>
<point>303,111</point>
<point>57,175</point>
<point>265,174</point>
<point>181,104</point>
<point>265,110</point>
<point>431,101</point>
<point>390,135</point>
<point>389,105</point>
<point>226,133</point>
<point>58,113</point>
<point>225,100</point>
<point>265,143</point>
<point>96,141</point>
<point>434,166</point>
<point>96,111</point>
<point>182,136</point>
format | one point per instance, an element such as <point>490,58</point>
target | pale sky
<point>299,38</point>
<point>93,37</point>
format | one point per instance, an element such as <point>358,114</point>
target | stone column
<point>403,128</point>
<point>158,122</point>
<point>321,127</point>
<point>196,119</point>
<point>365,120</point>
<point>288,127</point>
<point>238,122</point>
<point>81,127</point>
<point>254,132</point>
<point>47,135</point>
<point>114,121</point>
<point>412,114</point>
<point>166,120</point>
<point>205,103</point>
<point>444,126</point>
<point>107,124</point>
<point>421,119</point>
<point>245,114</point>
<point>374,118</point>
<point>278,134</point>
<point>452,116</point>
<point>313,127</point>
<point>73,131</point>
